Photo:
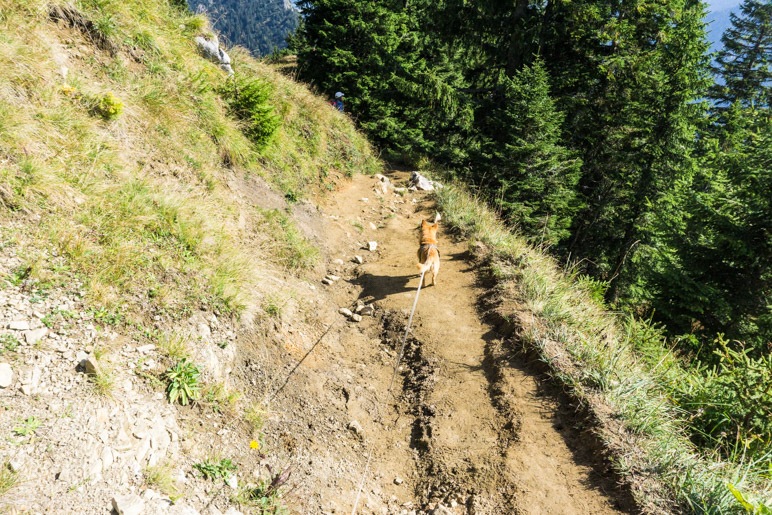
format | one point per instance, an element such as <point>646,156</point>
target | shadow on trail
<point>378,287</point>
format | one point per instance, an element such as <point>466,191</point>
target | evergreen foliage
<point>744,64</point>
<point>533,177</point>
<point>262,26</point>
<point>248,100</point>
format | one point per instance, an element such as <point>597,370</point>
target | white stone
<point>130,504</point>
<point>232,481</point>
<point>6,375</point>
<point>204,331</point>
<point>356,318</point>
<point>35,335</point>
<point>345,311</point>
<point>358,260</point>
<point>19,325</point>
<point>372,246</point>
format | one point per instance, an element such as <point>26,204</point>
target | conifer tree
<point>627,75</point>
<point>530,175</point>
<point>744,64</point>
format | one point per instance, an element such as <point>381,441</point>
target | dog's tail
<point>424,267</point>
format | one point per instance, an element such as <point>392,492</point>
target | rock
<point>19,325</point>
<point>358,260</point>
<point>356,318</point>
<point>6,375</point>
<point>212,51</point>
<point>130,504</point>
<point>332,277</point>
<point>232,481</point>
<point>146,349</point>
<point>346,312</point>
<point>372,246</point>
<point>420,182</point>
<point>356,427</point>
<point>338,262</point>
<point>90,366</point>
<point>326,281</point>
<point>398,480</point>
<point>367,310</point>
<point>203,330</point>
<point>35,335</point>
<point>16,464</point>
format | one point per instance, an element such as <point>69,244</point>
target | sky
<point>722,5</point>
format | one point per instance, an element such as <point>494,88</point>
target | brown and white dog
<point>428,253</point>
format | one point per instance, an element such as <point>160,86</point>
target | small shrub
<point>731,402</point>
<point>183,383</point>
<point>108,106</point>
<point>248,100</point>
<point>216,470</point>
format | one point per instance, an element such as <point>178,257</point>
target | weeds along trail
<point>470,430</point>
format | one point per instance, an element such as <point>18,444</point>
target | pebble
<point>356,317</point>
<point>372,246</point>
<point>356,427</point>
<point>358,260</point>
<point>35,335</point>
<point>19,325</point>
<point>6,375</point>
<point>398,480</point>
<point>346,312</point>
<point>130,504</point>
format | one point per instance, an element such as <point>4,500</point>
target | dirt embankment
<point>467,426</point>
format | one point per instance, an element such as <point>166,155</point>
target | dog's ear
<point>424,224</point>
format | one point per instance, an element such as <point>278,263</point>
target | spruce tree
<point>744,64</point>
<point>530,176</point>
<point>627,75</point>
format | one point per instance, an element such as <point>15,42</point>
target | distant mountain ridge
<point>258,25</point>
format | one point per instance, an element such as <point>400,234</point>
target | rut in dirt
<point>483,436</point>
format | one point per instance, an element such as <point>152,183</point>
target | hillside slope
<point>167,340</point>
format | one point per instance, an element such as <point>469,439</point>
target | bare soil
<point>468,425</point>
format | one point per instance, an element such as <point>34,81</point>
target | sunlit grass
<point>619,367</point>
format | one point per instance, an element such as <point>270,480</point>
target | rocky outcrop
<point>210,48</point>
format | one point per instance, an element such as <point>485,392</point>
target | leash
<point>394,375</point>
<point>279,389</point>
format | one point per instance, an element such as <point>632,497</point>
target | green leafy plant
<point>732,401</point>
<point>27,427</point>
<point>8,343</point>
<point>267,494</point>
<point>183,385</point>
<point>760,509</point>
<point>106,316</point>
<point>216,469</point>
<point>108,106</point>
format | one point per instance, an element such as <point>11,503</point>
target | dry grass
<point>141,205</point>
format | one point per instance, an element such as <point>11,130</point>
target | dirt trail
<point>467,429</point>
